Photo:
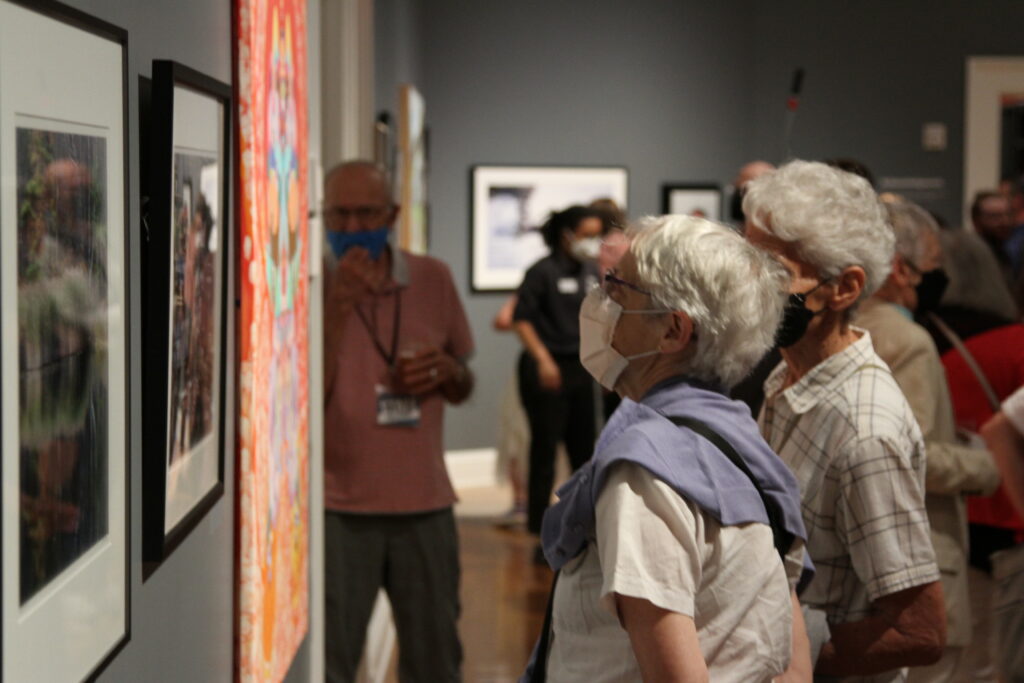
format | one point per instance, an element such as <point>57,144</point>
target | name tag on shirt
<point>568,285</point>
<point>396,410</point>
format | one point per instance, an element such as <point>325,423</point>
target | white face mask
<point>599,315</point>
<point>586,249</point>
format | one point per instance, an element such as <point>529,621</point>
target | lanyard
<point>389,358</point>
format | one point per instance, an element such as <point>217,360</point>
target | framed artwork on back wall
<point>185,288</point>
<point>694,199</point>
<point>511,203</point>
<point>64,353</point>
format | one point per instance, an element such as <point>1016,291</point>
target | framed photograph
<point>509,205</point>
<point>185,289</point>
<point>64,502</point>
<point>702,199</point>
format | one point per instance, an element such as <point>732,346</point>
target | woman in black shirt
<point>557,393</point>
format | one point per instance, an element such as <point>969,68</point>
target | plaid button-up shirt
<point>848,434</point>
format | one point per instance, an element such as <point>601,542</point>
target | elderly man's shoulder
<point>867,405</point>
<point>880,420</point>
<point>894,335</point>
<point>426,269</point>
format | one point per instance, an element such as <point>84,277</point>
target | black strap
<point>371,330</point>
<point>783,539</point>
<point>540,663</point>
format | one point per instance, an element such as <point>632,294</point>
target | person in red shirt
<point>396,342</point>
<point>978,312</point>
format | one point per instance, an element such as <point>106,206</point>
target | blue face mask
<point>373,241</point>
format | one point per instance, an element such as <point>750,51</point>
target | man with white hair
<point>670,540</point>
<point>836,416</point>
<point>954,471</point>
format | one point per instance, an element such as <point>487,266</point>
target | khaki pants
<point>415,558</point>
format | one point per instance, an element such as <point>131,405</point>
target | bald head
<point>357,196</point>
<point>750,171</point>
<point>365,174</point>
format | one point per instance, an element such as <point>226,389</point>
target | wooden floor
<point>504,597</point>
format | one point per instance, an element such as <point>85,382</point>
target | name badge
<point>396,410</point>
<point>568,285</point>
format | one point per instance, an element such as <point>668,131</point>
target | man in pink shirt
<point>396,340</point>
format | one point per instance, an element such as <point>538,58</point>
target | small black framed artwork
<point>692,199</point>
<point>64,354</point>
<point>185,288</point>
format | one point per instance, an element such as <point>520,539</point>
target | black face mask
<point>930,290</point>
<point>795,319</point>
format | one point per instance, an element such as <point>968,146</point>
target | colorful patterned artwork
<point>273,414</point>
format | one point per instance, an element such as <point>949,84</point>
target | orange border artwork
<point>272,537</point>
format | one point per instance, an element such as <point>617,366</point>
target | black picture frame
<point>91,27</point>
<point>483,277</point>
<point>686,197</point>
<point>167,90</point>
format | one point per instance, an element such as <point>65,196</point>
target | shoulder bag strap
<point>958,344</point>
<point>540,664</point>
<point>783,539</point>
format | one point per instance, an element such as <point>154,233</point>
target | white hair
<point>909,225</point>
<point>733,292</point>
<point>833,219</point>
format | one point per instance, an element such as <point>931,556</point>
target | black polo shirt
<point>550,297</point>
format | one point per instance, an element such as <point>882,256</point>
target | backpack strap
<point>783,539</point>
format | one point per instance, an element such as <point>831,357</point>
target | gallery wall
<point>875,73</point>
<point>182,616</point>
<point>653,85</point>
<point>675,91</point>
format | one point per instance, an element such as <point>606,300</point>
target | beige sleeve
<point>952,469</point>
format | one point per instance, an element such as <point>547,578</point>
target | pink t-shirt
<point>374,469</point>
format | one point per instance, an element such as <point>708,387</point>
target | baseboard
<point>472,467</point>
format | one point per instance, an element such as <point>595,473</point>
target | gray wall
<point>676,91</point>
<point>875,72</point>
<point>654,85</point>
<point>182,617</point>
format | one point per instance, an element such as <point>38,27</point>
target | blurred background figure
<point>557,393</point>
<point>982,347</point>
<point>1004,434</point>
<point>954,469</point>
<point>993,220</point>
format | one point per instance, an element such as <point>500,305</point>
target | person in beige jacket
<point>954,469</point>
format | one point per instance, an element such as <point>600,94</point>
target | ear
<point>848,288</point>
<point>901,272</point>
<point>679,333</point>
<point>393,216</point>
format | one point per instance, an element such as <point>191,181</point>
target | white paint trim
<point>986,79</point>
<point>347,80</point>
<point>472,468</point>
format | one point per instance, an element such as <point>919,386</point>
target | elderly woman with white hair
<point>669,543</point>
<point>835,414</point>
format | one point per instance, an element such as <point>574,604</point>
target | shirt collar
<point>825,377</point>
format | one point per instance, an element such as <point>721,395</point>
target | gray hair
<point>909,224</point>
<point>733,292</point>
<point>833,218</point>
<point>975,278</point>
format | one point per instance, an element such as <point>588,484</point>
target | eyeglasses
<point>339,216</point>
<point>611,281</point>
